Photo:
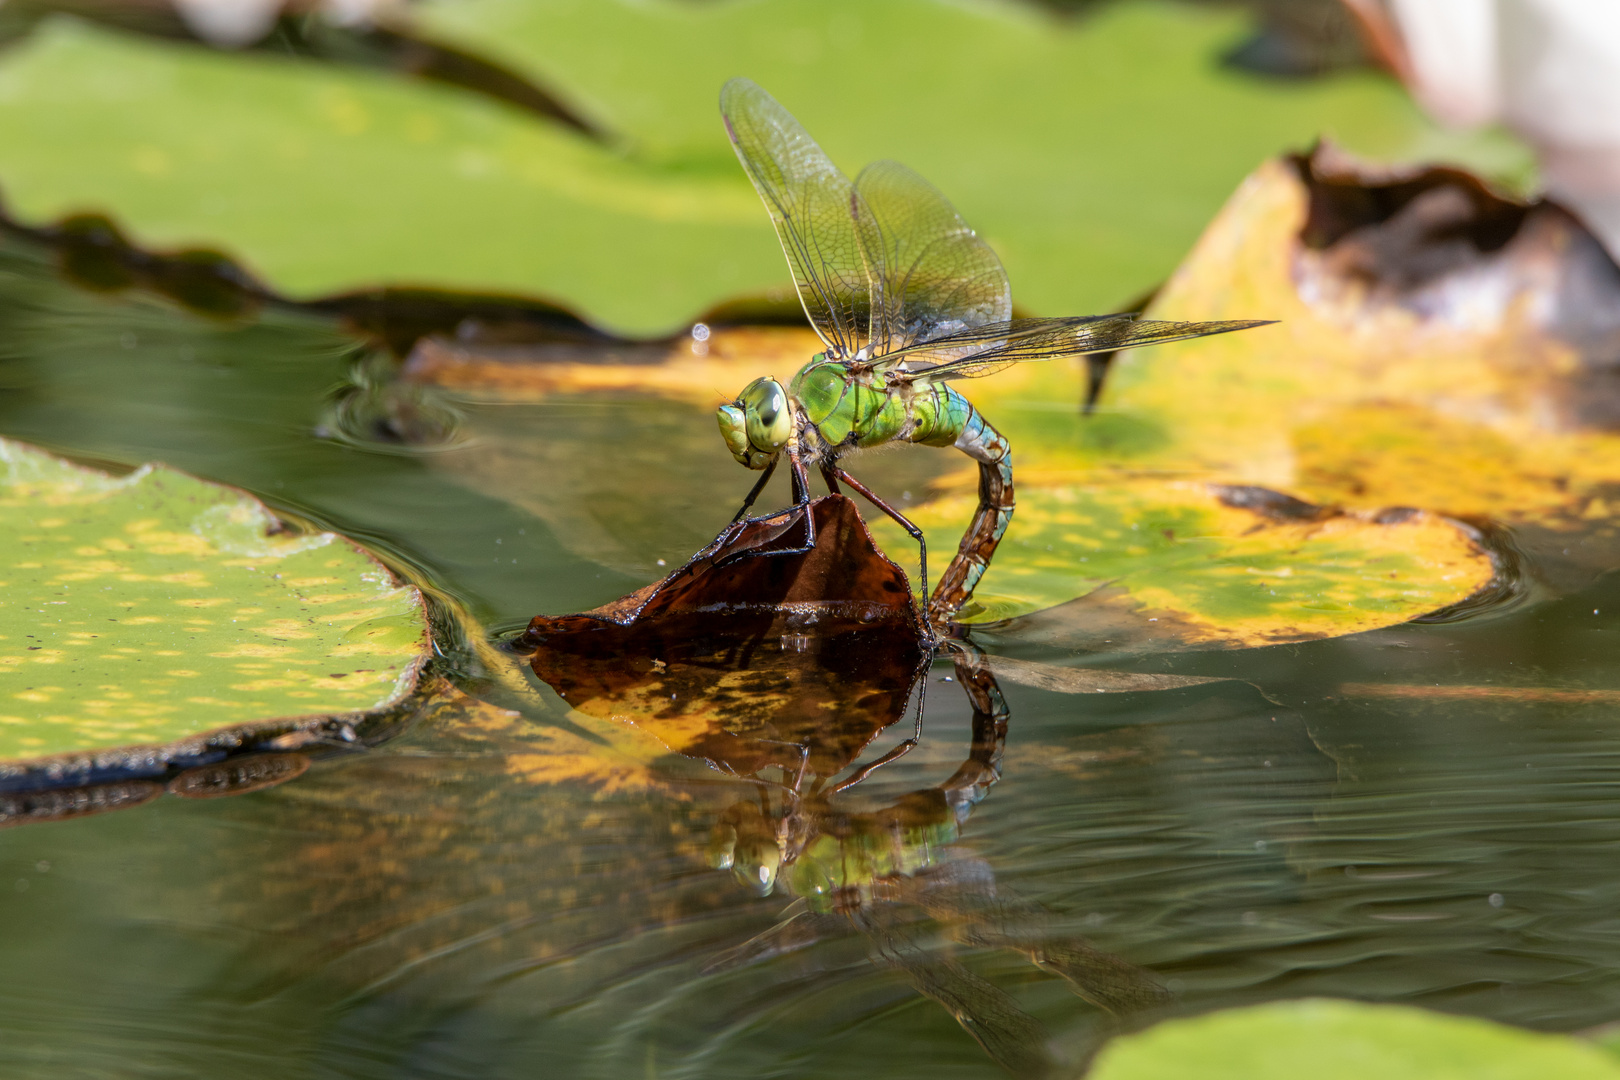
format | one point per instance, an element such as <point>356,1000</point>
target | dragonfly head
<point>746,843</point>
<point>758,424</point>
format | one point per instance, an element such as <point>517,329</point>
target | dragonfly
<point>906,299</point>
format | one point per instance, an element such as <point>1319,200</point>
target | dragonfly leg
<point>764,479</point>
<point>801,507</point>
<point>866,770</point>
<point>895,515</point>
<point>903,748</point>
<point>801,501</point>
<point>829,473</point>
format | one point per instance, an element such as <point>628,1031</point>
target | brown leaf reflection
<point>780,670</point>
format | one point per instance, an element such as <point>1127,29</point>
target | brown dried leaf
<point>748,653</point>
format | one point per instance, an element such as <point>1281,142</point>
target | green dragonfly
<point>906,298</point>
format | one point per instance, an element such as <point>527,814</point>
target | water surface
<point>1342,819</point>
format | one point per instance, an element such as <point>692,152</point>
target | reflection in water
<point>783,701</point>
<point>232,776</point>
<point>891,871</point>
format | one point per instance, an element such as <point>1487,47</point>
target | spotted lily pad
<point>1440,346</point>
<point>154,608</point>
<point>1197,563</point>
<point>1346,1040</point>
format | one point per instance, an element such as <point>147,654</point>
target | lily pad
<point>157,609</point>
<point>1126,131</point>
<point>1201,564</point>
<point>1159,560</point>
<point>1439,347</point>
<point>1344,1040</point>
<point>321,179</point>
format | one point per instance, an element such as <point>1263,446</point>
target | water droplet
<point>661,562</point>
<point>1496,899</point>
<point>700,332</point>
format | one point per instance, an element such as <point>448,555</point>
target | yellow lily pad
<point>1437,347</point>
<point>1213,570</point>
<point>155,607</point>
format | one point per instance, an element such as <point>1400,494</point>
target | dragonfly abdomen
<point>976,438</point>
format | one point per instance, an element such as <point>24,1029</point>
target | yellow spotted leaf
<point>152,607</point>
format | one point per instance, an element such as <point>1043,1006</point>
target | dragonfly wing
<point>826,232</point>
<point>1015,1039</point>
<point>983,350</point>
<point>963,896</point>
<point>938,277</point>
<point>798,929</point>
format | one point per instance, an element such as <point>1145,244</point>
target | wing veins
<point>1024,340</point>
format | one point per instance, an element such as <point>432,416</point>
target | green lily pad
<point>154,607</point>
<point>1089,151</point>
<point>321,179</point>
<point>1345,1040</point>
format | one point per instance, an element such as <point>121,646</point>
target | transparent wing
<point>1015,1039</point>
<point>937,277</point>
<point>982,350</point>
<point>963,895</point>
<point>827,234</point>
<point>799,928</point>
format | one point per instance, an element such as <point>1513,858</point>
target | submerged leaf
<point>156,607</point>
<point>1068,680</point>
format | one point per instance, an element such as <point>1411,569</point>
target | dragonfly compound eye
<point>769,420</point>
<point>734,429</point>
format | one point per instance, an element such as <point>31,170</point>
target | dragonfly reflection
<point>789,710</point>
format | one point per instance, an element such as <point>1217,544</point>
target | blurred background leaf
<point>1089,151</point>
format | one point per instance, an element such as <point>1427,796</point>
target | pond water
<point>1339,818</point>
